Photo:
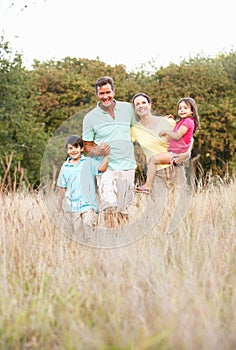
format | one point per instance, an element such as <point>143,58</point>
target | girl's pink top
<point>183,144</point>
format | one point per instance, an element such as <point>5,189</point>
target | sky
<point>129,32</point>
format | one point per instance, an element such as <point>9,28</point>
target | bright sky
<point>129,32</point>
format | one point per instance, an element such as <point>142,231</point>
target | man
<point>106,128</point>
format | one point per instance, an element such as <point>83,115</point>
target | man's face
<point>105,95</point>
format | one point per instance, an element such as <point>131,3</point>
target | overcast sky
<point>129,32</point>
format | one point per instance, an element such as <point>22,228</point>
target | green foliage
<point>211,83</point>
<point>19,131</point>
<point>66,87</point>
<point>35,103</point>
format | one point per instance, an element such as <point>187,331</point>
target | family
<point>109,132</point>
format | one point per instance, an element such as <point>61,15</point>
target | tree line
<point>35,102</point>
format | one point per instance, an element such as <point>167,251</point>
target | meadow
<point>163,291</point>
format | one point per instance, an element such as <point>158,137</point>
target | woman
<point>146,133</point>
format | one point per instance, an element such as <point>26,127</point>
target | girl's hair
<point>142,94</point>
<point>192,103</point>
<point>75,141</point>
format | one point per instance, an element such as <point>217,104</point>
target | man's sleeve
<point>133,120</point>
<point>87,133</point>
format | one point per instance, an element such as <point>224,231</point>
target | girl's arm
<point>174,135</point>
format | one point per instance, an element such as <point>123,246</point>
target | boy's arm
<point>62,191</point>
<point>104,164</point>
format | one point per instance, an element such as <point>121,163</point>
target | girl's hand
<point>162,133</point>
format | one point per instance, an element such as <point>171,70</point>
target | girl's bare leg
<point>161,158</point>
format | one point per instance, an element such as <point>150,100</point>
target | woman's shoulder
<point>165,122</point>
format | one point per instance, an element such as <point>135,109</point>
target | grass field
<point>164,291</point>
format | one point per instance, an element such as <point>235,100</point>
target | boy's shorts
<point>116,189</point>
<point>89,217</point>
<point>78,229</point>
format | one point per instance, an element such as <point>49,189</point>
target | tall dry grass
<point>165,291</point>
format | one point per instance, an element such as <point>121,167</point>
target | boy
<point>76,182</point>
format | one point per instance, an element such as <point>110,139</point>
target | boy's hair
<point>103,81</point>
<point>148,98</point>
<point>192,103</point>
<point>75,141</point>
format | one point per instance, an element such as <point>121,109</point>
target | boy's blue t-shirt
<point>79,181</point>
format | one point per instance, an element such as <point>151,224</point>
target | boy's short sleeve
<point>95,164</point>
<point>133,117</point>
<point>61,181</point>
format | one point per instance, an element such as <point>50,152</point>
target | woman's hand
<point>181,158</point>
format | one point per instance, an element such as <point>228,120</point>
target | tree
<point>210,83</point>
<point>20,133</point>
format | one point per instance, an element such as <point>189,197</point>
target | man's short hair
<point>103,81</point>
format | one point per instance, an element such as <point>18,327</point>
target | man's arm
<point>94,150</point>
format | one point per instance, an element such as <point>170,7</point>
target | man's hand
<point>102,149</point>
